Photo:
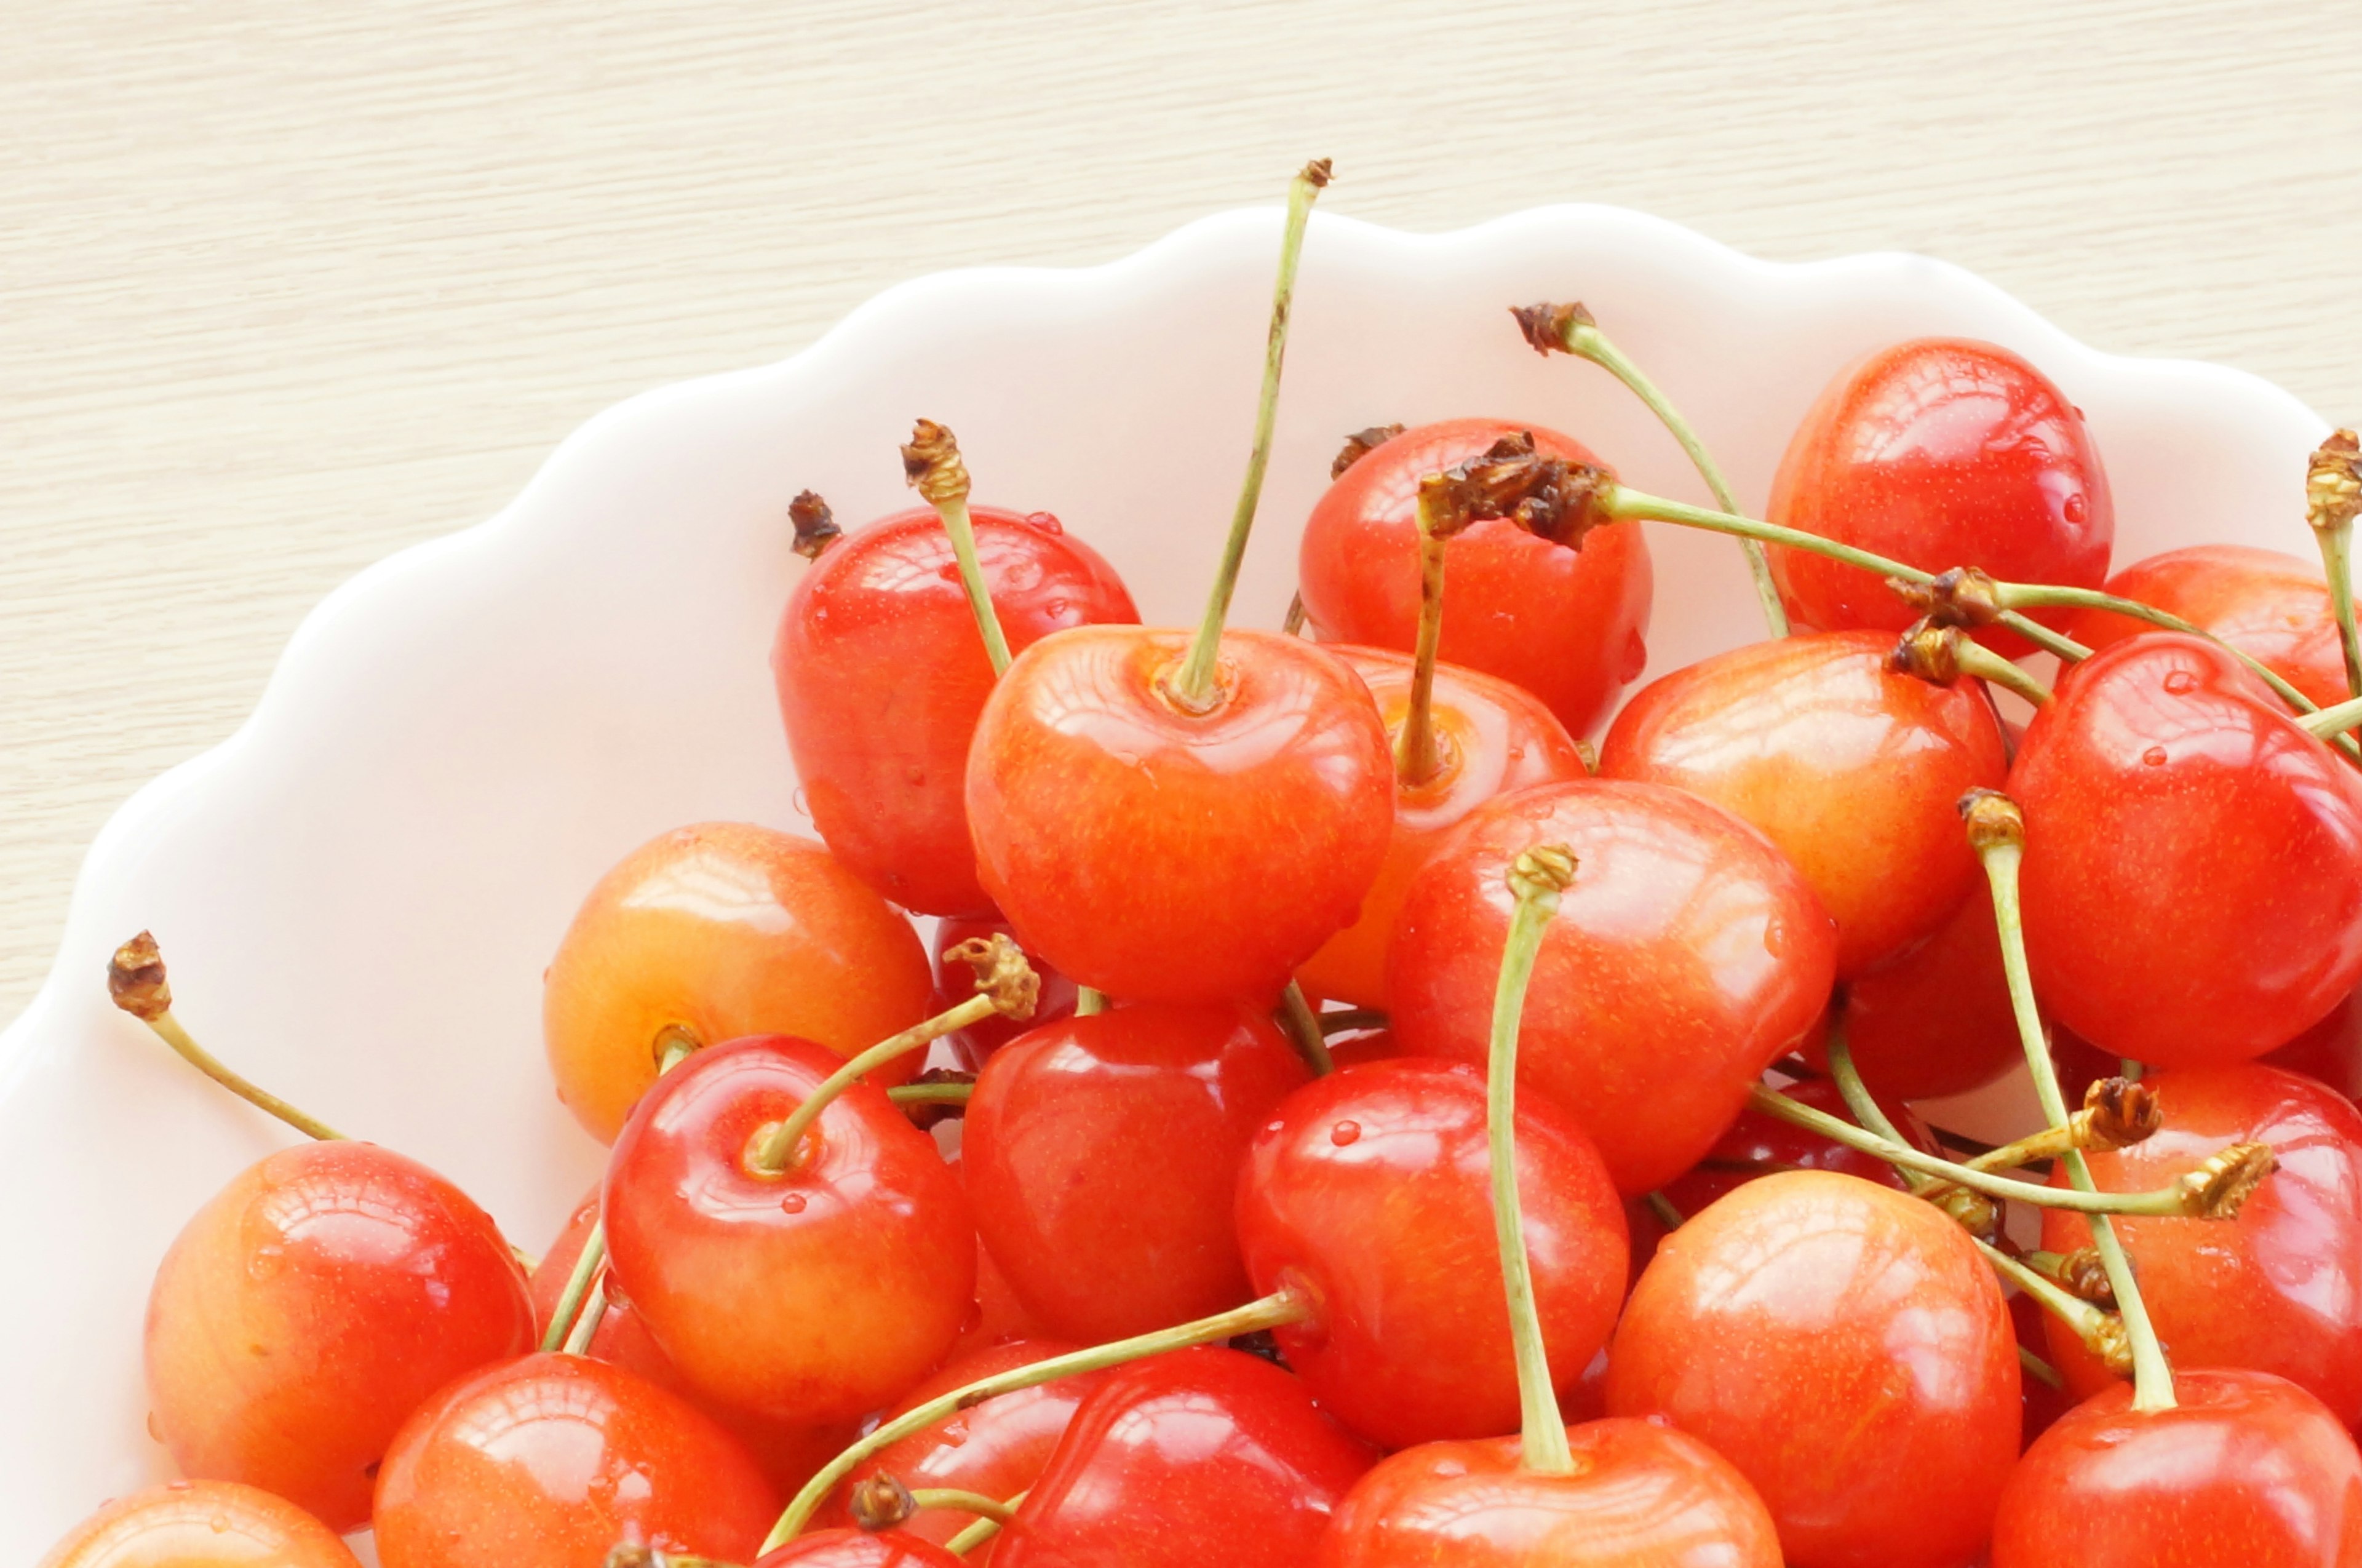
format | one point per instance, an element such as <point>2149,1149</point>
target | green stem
<point>930,1094</point>
<point>577,1286</point>
<point>953,513</point>
<point>2038,596</point>
<point>1662,1208</point>
<point>2337,562</point>
<point>1090,1003</point>
<point>1982,662</point>
<point>1273,1311</point>
<point>1351,1019</point>
<point>778,1149</point>
<point>1624,503</point>
<point>2093,1327</point>
<point>2332,722</point>
<point>1864,1105</point>
<point>1193,688</point>
<point>957,1501</point>
<point>586,1326</point>
<point>1416,758</point>
<point>1291,624</point>
<point>2041,1371</point>
<point>982,1530</point>
<point>1302,1026</point>
<point>169,1030</point>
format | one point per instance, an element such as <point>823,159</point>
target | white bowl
<point>358,891</point>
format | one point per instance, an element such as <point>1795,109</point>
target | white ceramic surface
<point>358,893</point>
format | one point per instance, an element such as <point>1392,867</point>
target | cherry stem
<point>2330,724</point>
<point>1864,1105</point>
<point>586,1327</point>
<point>1090,1003</point>
<point>982,1530</point>
<point>2016,596</point>
<point>1273,1311</point>
<point>1193,688</point>
<point>2333,496</point>
<point>932,463</point>
<point>135,980</point>
<point>1987,666</point>
<point>1997,832</point>
<point>2102,1333</point>
<point>1416,757</point>
<point>1579,334</point>
<point>1291,624</point>
<point>1302,1026</point>
<point>992,1508</point>
<point>1351,1019</point>
<point>930,1094</point>
<point>1536,879</point>
<point>586,1265</point>
<point>777,1150</point>
<point>1671,1217</point>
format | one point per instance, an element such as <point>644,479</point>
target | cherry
<point>1565,622</point>
<point>2331,1051</point>
<point>721,929</point>
<point>1846,1347</point>
<point>1851,769</point>
<point>1169,1456</point>
<point>860,1549</point>
<point>199,1524</point>
<point>2277,1289</point>
<point>1491,738</point>
<point>2246,1468</point>
<point>548,1461</point>
<point>2192,882</point>
<point>813,1291</point>
<point>1939,452</point>
<point>997,1450</point>
<point>2270,606</point>
<point>307,1309</point>
<point>956,981</point>
<point>881,676</point>
<point>1367,1195</point>
<point>1936,1020</point>
<point>1102,1157</point>
<point>1642,1495</point>
<point>1688,956</point>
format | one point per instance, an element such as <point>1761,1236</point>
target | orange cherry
<point>201,1524</point>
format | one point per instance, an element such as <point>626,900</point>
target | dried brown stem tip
<point>135,978</point>
<point>1994,819</point>
<point>2217,1189</point>
<point>1960,597</point>
<point>1319,172</point>
<point>2112,1343</point>
<point>1545,868</point>
<point>930,462</point>
<point>816,527</point>
<point>1930,651</point>
<point>1360,445</point>
<point>1547,326</point>
<point>1976,1213</point>
<point>1547,497</point>
<point>2332,483</point>
<point>1001,973</point>
<point>2118,1113</point>
<point>2084,1275</point>
<point>881,1502</point>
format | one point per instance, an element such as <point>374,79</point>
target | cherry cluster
<point>1343,1117</point>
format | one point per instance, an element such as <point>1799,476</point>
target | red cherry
<point>813,1293</point>
<point>995,1450</point>
<point>1491,738</point>
<point>1163,855</point>
<point>1368,1195</point>
<point>1852,771</point>
<point>860,1549</point>
<point>1688,956</point>
<point>956,981</point>
<point>2331,1051</point>
<point>2277,1289</point>
<point>1937,1020</point>
<point>199,1524</point>
<point>1184,1454</point>
<point>1939,452</point>
<point>549,1461</point>
<point>789,1454</point>
<point>1846,1347</point>
<point>2192,882</point>
<point>2246,1469</point>
<point>1101,1156</point>
<point>305,1310</point>
<point>1566,624</point>
<point>1641,1496</point>
<point>881,675</point>
<point>727,930</point>
<point>2271,607</point>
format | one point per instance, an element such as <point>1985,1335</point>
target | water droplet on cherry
<point>265,1263</point>
<point>792,1204</point>
<point>1044,521</point>
<point>1635,658</point>
<point>1344,1132</point>
<point>2154,757</point>
<point>2180,682</point>
<point>803,806</point>
<point>2075,508</point>
<point>219,1524</point>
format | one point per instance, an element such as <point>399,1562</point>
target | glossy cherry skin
<point>787,1453</point>
<point>2247,1468</point>
<point>2272,607</point>
<point>1939,452</point>
<point>996,1449</point>
<point>730,930</point>
<point>1491,738</point>
<point>1642,1496</point>
<point>1936,1020</point>
<point>1854,771</point>
<point>2192,882</point>
<point>1846,1347</point>
<point>1102,1154</point>
<point>550,1461</point>
<point>1688,956</point>
<point>859,1549</point>
<point>1569,625</point>
<point>881,674</point>
<point>2279,1289</point>
<point>305,1311</point>
<point>1368,1197</point>
<point>1159,855</point>
<point>955,982</point>
<point>201,1524</point>
<point>811,1296</point>
<point>1172,1459</point>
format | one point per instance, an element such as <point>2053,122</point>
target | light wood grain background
<point>286,287</point>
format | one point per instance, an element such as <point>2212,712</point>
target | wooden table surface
<point>284,288</point>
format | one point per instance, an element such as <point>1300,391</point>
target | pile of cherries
<point>1344,1117</point>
